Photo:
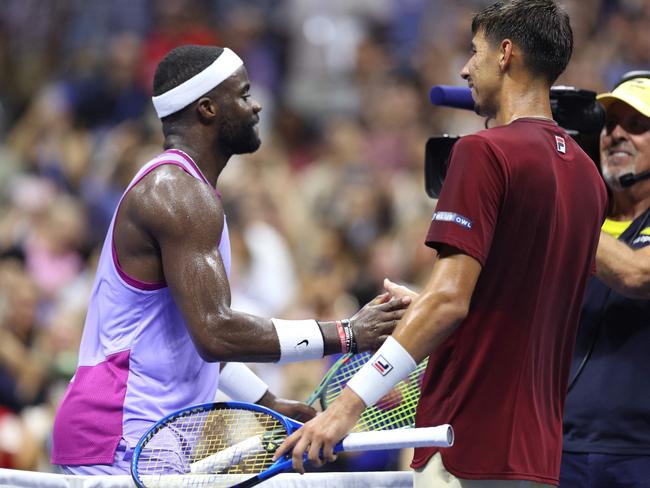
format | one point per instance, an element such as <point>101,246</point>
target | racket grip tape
<point>438,436</point>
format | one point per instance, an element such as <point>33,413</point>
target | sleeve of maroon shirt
<point>468,208</point>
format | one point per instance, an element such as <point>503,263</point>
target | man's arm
<point>243,385</point>
<point>622,268</point>
<point>432,317</point>
<point>441,306</point>
<point>185,220</point>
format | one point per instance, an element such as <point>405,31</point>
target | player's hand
<point>319,436</point>
<point>377,319</point>
<point>396,290</point>
<point>290,408</point>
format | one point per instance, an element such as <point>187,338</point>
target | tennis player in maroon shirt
<point>515,229</point>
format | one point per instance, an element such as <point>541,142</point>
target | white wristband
<point>390,365</point>
<point>300,340</point>
<point>238,382</point>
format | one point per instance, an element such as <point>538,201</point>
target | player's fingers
<point>314,454</point>
<point>395,304</point>
<point>398,290</point>
<point>287,445</point>
<point>398,314</point>
<point>297,458</point>
<point>392,288</point>
<point>380,299</point>
<point>328,452</point>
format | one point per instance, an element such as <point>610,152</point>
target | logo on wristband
<point>381,365</point>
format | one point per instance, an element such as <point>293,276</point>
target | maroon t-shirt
<point>526,202</point>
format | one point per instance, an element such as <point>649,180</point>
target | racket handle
<point>230,456</point>
<point>438,436</point>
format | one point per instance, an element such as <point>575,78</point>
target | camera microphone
<point>452,96</point>
<point>629,179</point>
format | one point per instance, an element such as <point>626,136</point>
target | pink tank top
<point>137,362</point>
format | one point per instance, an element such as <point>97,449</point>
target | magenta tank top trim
<point>129,280</point>
<point>83,438</point>
<point>189,161</point>
<point>196,168</point>
<point>160,161</point>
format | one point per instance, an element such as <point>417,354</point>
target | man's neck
<point>209,163</point>
<point>529,99</point>
<point>628,204</point>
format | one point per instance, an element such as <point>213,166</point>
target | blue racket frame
<point>282,464</point>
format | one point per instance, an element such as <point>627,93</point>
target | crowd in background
<point>331,204</point>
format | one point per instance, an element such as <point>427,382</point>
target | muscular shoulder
<point>170,202</point>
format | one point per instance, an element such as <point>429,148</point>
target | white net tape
<point>388,479</point>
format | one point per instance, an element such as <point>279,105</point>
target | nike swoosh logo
<point>305,341</point>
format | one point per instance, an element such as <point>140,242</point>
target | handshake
<point>378,318</point>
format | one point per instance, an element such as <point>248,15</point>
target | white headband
<point>182,95</point>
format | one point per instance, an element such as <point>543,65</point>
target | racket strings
<point>211,448</point>
<point>395,410</point>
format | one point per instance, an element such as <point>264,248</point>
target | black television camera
<point>574,109</point>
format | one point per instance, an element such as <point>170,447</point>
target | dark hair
<point>180,64</point>
<point>540,28</point>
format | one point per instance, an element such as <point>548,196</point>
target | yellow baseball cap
<point>634,92</point>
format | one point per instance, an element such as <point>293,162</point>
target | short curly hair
<point>181,64</point>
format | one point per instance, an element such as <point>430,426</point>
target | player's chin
<point>254,139</point>
<point>251,145</point>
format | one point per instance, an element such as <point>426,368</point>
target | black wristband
<point>320,329</point>
<point>349,336</point>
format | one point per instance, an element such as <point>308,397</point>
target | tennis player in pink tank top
<point>159,321</point>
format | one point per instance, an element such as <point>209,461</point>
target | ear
<point>505,54</point>
<point>207,109</point>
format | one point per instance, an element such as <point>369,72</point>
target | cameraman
<point>607,411</point>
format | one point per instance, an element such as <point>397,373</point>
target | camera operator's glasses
<point>634,124</point>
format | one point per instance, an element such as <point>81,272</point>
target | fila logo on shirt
<point>382,365</point>
<point>560,144</point>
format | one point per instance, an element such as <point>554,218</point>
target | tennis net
<point>388,479</point>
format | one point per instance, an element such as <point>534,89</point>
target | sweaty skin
<point>169,226</point>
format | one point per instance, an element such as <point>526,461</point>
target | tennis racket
<point>395,410</point>
<point>231,444</point>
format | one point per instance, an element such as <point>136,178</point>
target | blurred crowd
<point>331,204</point>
